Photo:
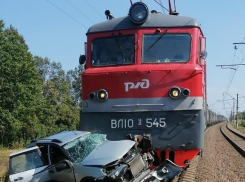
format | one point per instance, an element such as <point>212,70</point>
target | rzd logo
<point>144,84</point>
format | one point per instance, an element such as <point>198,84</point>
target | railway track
<point>236,139</point>
<point>189,175</point>
<point>192,173</point>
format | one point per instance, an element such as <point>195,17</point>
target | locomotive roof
<point>154,20</point>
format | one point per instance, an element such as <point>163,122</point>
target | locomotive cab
<point>146,76</point>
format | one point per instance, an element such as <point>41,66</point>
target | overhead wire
<point>241,50</point>
<point>231,78</point>
<point>67,15</point>
<point>241,103</point>
<point>240,56</point>
<point>80,11</point>
<point>243,57</point>
<point>162,7</point>
<point>94,9</point>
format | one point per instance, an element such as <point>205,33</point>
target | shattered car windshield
<point>115,50</point>
<point>78,149</point>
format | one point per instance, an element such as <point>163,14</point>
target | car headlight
<point>118,172</point>
<point>138,13</point>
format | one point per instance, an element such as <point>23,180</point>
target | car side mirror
<point>82,59</point>
<point>62,166</point>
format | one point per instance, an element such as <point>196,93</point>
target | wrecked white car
<point>77,156</point>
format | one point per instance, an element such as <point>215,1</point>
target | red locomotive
<point>145,77</point>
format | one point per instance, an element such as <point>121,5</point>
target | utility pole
<point>234,108</point>
<point>233,111</point>
<point>237,111</point>
<point>231,117</point>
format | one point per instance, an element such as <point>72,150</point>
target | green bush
<point>243,123</point>
<point>5,178</point>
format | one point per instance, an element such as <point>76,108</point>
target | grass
<point>240,127</point>
<point>4,161</point>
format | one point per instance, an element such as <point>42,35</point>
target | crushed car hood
<point>108,152</point>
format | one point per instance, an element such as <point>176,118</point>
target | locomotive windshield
<point>169,48</point>
<point>113,51</point>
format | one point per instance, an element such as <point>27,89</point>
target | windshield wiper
<point>154,43</point>
<point>119,45</point>
<point>117,42</point>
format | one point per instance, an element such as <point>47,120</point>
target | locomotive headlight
<point>92,95</point>
<point>138,13</point>
<point>102,95</point>
<point>174,92</point>
<point>186,92</point>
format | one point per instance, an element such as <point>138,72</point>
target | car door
<point>27,166</point>
<point>61,169</point>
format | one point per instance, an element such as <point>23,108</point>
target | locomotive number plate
<point>137,123</point>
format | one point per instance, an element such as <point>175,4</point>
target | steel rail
<point>189,174</point>
<point>234,144</point>
<point>237,134</point>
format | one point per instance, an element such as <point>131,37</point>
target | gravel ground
<point>241,130</point>
<point>235,138</point>
<point>220,162</point>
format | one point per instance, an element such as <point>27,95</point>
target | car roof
<point>22,151</point>
<point>59,138</point>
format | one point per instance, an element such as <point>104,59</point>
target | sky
<point>56,29</point>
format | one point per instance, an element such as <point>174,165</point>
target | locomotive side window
<point>113,51</point>
<point>165,49</point>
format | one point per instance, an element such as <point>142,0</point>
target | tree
<point>35,93</point>
<point>57,109</point>
<point>74,77</point>
<point>19,85</point>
